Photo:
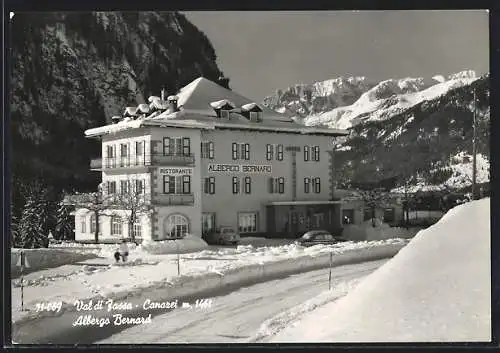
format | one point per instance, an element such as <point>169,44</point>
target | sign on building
<point>176,171</point>
<point>240,168</point>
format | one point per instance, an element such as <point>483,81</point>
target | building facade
<point>209,157</point>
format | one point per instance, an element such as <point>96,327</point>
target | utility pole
<point>474,147</point>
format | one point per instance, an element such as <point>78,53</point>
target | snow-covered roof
<point>131,110</point>
<point>143,107</point>
<point>172,98</point>
<point>250,106</point>
<point>197,101</point>
<point>222,103</point>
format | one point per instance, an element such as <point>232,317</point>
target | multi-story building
<point>209,157</point>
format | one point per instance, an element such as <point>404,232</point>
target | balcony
<point>156,159</point>
<point>174,199</point>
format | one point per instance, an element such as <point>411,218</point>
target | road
<point>235,317</point>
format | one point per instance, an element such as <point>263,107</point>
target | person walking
<point>123,250</point>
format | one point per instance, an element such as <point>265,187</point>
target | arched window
<point>175,226</point>
<point>92,223</point>
<point>116,225</point>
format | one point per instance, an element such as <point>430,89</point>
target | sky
<point>264,51</point>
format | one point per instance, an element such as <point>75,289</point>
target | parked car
<point>223,236</point>
<point>315,237</point>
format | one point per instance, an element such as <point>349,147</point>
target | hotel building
<point>209,157</point>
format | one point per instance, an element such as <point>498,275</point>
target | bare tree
<point>374,199</point>
<point>135,201</point>
<point>96,203</point>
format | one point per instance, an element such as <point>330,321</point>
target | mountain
<point>303,100</point>
<point>74,71</point>
<point>429,144</point>
<point>345,102</point>
<point>413,129</point>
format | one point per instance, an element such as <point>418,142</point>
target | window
<point>269,152</point>
<point>124,154</point>
<point>248,185</point>
<point>207,150</point>
<point>167,148</point>
<point>207,222</point>
<point>347,216</point>
<point>92,223</point>
<point>111,187</point>
<point>83,225</point>
<point>281,185</point>
<point>110,156</point>
<point>180,184</point>
<point>315,153</point>
<point>236,185</point>
<point>367,214</point>
<point>317,220</point>
<point>176,146</point>
<point>254,116</point>
<point>168,184</point>
<point>247,222</point>
<point>137,228</point>
<point>389,215</point>
<point>317,185</point>
<point>235,148</point>
<point>307,185</point>
<point>186,146</point>
<point>246,149</point>
<point>175,226</point>
<point>116,225</point>
<point>306,153</point>
<point>139,152</point>
<point>139,186</point>
<point>277,185</point>
<point>279,154</point>
<point>209,186</point>
<point>224,114</point>
<point>241,151</point>
<point>124,187</point>
<point>186,184</point>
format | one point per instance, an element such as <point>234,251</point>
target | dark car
<point>223,236</point>
<point>315,237</point>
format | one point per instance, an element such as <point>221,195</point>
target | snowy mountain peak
<point>467,74</point>
<point>378,101</point>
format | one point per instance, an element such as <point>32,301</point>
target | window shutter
<point>235,150</point>
<point>166,146</point>
<point>270,184</point>
<point>186,146</point>
<point>211,150</point>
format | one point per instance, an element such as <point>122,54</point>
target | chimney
<point>172,104</point>
<point>163,94</point>
<point>223,81</point>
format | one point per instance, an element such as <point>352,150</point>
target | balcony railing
<point>156,159</point>
<point>174,199</point>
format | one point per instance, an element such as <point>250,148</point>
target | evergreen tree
<point>30,228</point>
<point>63,228</point>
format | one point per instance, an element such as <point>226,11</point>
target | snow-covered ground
<point>437,288</point>
<point>100,277</point>
<point>237,316</point>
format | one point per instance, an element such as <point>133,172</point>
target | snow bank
<point>156,276</point>
<point>42,258</point>
<point>273,325</point>
<point>189,243</point>
<point>435,289</point>
<point>381,231</point>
